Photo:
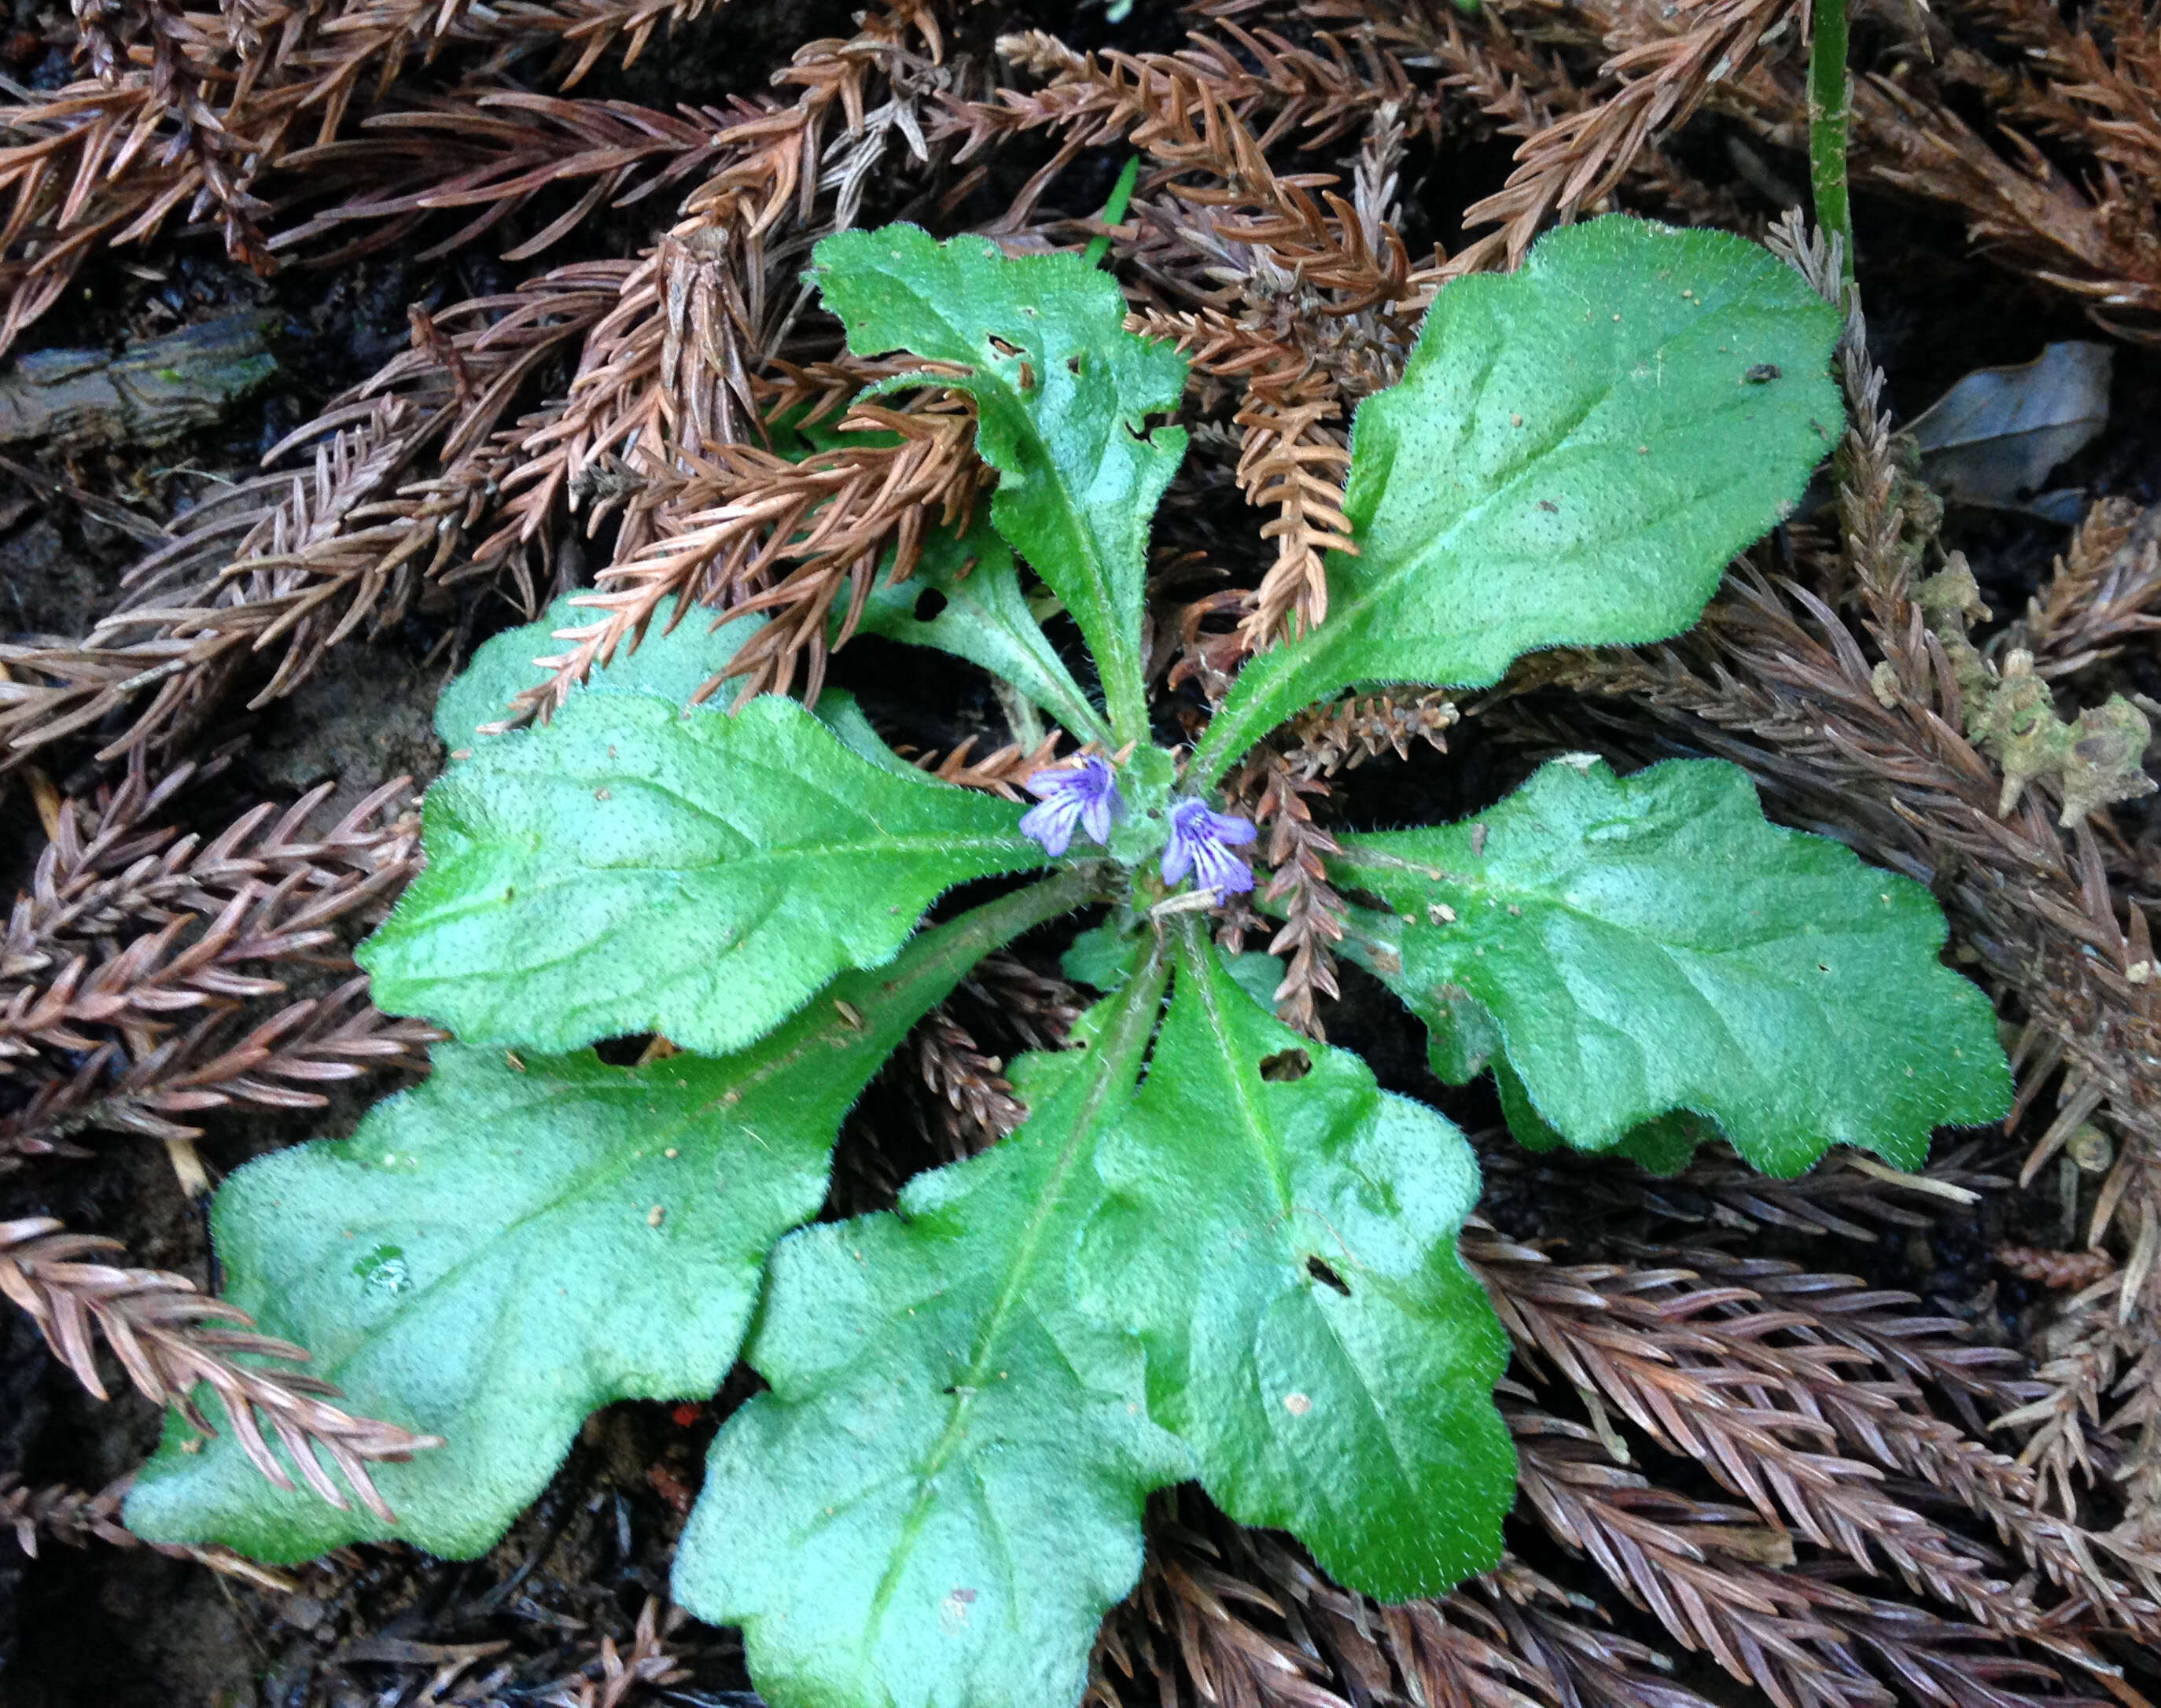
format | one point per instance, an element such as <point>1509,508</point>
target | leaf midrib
<point>1371,858</point>
<point>1116,661</point>
<point>761,857</point>
<point>1116,1051</point>
<point>1344,612</point>
<point>1259,1133</point>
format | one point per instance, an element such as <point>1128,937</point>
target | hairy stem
<point>1829,107</point>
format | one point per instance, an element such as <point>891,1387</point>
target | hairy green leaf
<point>1664,1146</point>
<point>1063,394</point>
<point>1281,1233</point>
<point>981,615</point>
<point>521,1239</point>
<point>1245,1269</point>
<point>1649,943</point>
<point>1575,450</point>
<point>673,663</point>
<point>630,869</point>
<point>942,1493</point>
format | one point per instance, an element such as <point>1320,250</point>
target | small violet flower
<point>1084,796</point>
<point>1200,843</point>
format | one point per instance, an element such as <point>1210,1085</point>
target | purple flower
<point>1084,796</point>
<point>1200,843</point>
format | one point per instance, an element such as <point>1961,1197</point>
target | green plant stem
<point>1829,110</point>
<point>1114,210</point>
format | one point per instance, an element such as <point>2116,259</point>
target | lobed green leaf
<point>1575,450</point>
<point>1063,394</point>
<point>984,617</point>
<point>1244,1269</point>
<point>524,1238</point>
<point>941,1495</point>
<point>1281,1234</point>
<point>1641,945</point>
<point>631,869</point>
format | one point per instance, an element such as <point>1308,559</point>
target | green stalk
<point>1114,210</point>
<point>1829,109</point>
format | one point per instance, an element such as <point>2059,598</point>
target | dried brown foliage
<point>1275,788</point>
<point>287,566</point>
<point>170,1340</point>
<point>615,1674</point>
<point>138,954</point>
<point>196,111</point>
<point>1001,772</point>
<point>2102,596</point>
<point>75,1519</point>
<point>752,532</point>
<point>1656,80</point>
<point>2055,180</point>
<point>963,1102</point>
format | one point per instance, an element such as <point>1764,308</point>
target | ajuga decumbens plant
<point>1216,1249</point>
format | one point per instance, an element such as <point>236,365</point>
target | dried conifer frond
<point>1183,122</point>
<point>1226,1614</point>
<point>1037,1010</point>
<point>1517,85</point>
<point>2064,1271</point>
<point>222,110</point>
<point>127,927</point>
<point>2073,210</point>
<point>76,1519</point>
<point>2103,595</point>
<point>670,391</point>
<point>65,1514</point>
<point>1341,737</point>
<point>140,1081</point>
<point>1293,462</point>
<point>287,566</point>
<point>1274,787</point>
<point>1309,262</point>
<point>1719,1584</point>
<point>750,531</point>
<point>1663,77</point>
<point>614,1676</point>
<point>1001,772</point>
<point>965,1103</point>
<point>1093,100</point>
<point>1592,1665</point>
<point>1843,1194</point>
<point>170,1339</point>
<point>1290,458</point>
<point>1757,1372</point>
<point>1273,792</point>
<point>497,152</point>
<point>109,868</point>
<point>2027,212</point>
